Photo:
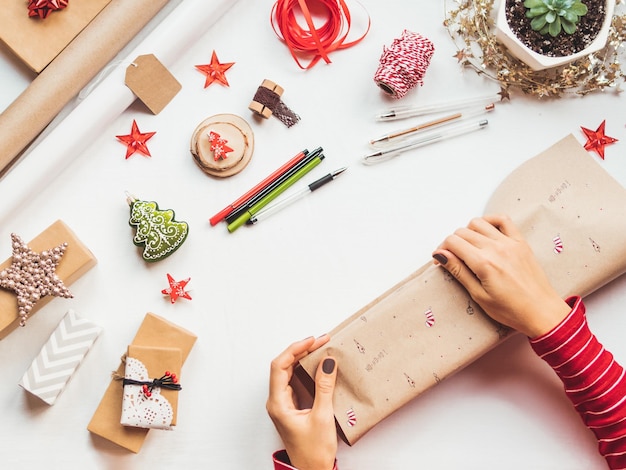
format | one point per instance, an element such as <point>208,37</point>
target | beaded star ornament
<point>32,276</point>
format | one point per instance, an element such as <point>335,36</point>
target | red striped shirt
<point>593,381</point>
<point>281,461</point>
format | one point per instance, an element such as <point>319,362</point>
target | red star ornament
<point>176,289</point>
<point>597,140</point>
<point>215,71</point>
<point>218,146</point>
<point>136,141</point>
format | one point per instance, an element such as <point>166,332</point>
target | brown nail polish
<point>441,258</point>
<point>328,366</point>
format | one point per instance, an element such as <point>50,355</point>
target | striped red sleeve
<point>593,381</point>
<point>281,461</point>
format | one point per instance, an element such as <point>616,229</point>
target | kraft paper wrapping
<point>49,155</point>
<point>70,71</point>
<point>76,261</point>
<point>154,331</point>
<point>38,41</point>
<point>426,327</point>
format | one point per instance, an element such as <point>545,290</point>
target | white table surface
<point>302,271</point>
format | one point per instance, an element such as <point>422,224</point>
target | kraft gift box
<point>76,261</point>
<point>145,406</point>
<point>154,331</point>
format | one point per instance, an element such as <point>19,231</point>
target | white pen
<point>384,155</point>
<point>403,134</point>
<point>402,112</point>
<point>272,209</point>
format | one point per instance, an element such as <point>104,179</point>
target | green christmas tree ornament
<point>156,230</point>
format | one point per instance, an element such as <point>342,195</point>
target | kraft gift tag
<point>427,327</point>
<point>151,82</point>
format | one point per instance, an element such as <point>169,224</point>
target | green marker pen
<point>243,218</point>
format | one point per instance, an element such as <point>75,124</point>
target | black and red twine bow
<point>168,381</point>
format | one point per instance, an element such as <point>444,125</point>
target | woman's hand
<point>498,268</point>
<point>309,435</point>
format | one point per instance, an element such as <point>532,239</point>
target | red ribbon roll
<point>314,42</point>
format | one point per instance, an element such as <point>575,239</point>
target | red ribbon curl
<point>315,42</point>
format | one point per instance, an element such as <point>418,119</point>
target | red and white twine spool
<point>558,244</point>
<point>430,318</point>
<point>404,64</point>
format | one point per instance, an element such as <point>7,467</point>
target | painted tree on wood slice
<point>156,230</point>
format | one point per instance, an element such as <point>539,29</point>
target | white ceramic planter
<point>538,61</point>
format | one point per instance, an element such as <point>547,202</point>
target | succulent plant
<point>550,16</point>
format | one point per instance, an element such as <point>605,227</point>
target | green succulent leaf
<point>570,18</point>
<point>534,3</point>
<point>536,11</point>
<point>568,26</point>
<point>555,28</point>
<point>579,9</point>
<point>538,23</point>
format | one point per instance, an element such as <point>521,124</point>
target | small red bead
<point>167,373</point>
<point>174,377</point>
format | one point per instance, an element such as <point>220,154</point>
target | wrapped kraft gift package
<point>76,261</point>
<point>156,339</point>
<point>145,406</point>
<point>427,327</point>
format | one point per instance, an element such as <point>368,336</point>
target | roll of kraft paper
<point>427,327</point>
<point>69,72</point>
<point>70,137</point>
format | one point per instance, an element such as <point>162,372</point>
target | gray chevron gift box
<point>59,357</point>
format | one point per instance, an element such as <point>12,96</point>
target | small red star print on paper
<point>136,141</point>
<point>597,140</point>
<point>215,71</point>
<point>218,146</point>
<point>176,289</point>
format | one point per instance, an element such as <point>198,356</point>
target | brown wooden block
<point>76,261</point>
<point>262,108</point>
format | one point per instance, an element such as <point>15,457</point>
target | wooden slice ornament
<point>238,140</point>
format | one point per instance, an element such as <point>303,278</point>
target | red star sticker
<point>218,146</point>
<point>215,71</point>
<point>136,141</point>
<point>597,140</point>
<point>176,289</point>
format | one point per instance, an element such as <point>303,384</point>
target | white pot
<point>539,61</point>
